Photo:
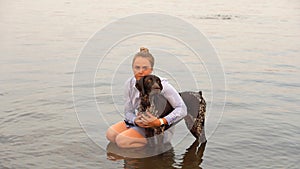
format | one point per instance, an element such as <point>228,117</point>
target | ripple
<point>217,17</point>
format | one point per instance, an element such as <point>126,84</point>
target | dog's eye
<point>149,80</point>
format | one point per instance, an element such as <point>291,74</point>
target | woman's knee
<point>111,134</point>
<point>114,130</point>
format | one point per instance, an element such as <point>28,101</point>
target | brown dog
<point>152,101</point>
<point>148,86</point>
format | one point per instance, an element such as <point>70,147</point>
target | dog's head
<point>149,84</point>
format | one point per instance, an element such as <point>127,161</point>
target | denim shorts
<point>168,134</point>
<point>139,129</point>
<point>136,128</point>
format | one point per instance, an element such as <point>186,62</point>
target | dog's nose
<point>156,86</point>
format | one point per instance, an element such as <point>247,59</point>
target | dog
<point>152,101</point>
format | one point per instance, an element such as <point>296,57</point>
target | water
<point>258,45</point>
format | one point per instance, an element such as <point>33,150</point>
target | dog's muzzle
<point>155,89</point>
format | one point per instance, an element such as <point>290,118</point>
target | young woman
<point>130,133</point>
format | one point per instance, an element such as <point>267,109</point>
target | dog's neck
<point>147,104</point>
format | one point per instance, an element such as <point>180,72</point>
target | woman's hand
<point>149,120</point>
<point>139,122</point>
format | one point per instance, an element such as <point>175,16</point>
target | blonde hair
<point>144,53</point>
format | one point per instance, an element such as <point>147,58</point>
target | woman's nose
<point>140,70</point>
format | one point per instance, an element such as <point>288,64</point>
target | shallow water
<point>257,44</point>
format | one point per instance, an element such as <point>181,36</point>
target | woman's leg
<point>114,130</point>
<point>130,138</point>
<point>125,137</point>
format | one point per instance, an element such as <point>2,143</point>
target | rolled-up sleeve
<point>128,106</point>
<point>180,110</point>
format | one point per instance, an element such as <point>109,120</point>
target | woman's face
<point>141,67</point>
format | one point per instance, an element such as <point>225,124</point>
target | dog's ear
<point>140,85</point>
<point>159,83</point>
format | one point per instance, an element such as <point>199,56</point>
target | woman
<point>130,133</point>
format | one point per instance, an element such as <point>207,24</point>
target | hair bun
<point>143,49</point>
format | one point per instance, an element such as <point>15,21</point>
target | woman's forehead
<point>141,61</point>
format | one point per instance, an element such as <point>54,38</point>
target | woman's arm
<point>180,110</point>
<point>128,106</point>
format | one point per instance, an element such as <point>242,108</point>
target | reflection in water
<point>192,158</point>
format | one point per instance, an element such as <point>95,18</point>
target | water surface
<point>257,43</point>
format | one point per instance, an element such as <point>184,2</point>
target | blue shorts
<point>136,128</point>
<point>168,134</point>
<point>139,129</point>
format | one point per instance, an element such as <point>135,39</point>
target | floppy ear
<point>140,85</point>
<point>160,85</point>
